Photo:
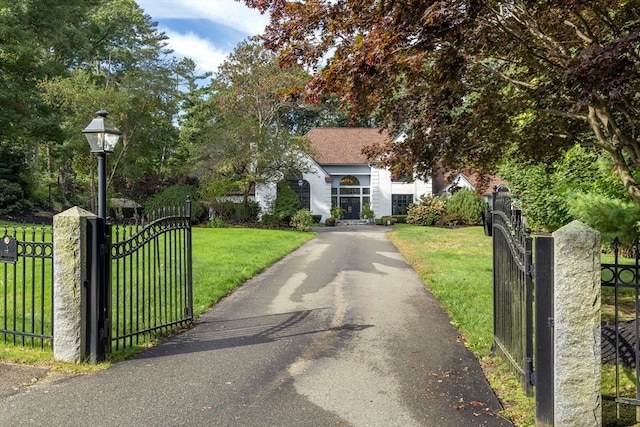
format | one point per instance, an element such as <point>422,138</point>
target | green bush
<point>228,210</point>
<point>337,212</point>
<point>393,219</point>
<point>464,208</point>
<point>302,220</point>
<point>428,211</point>
<point>316,218</point>
<point>367,212</point>
<point>268,219</point>
<point>287,203</point>
<point>217,222</point>
<point>174,197</point>
<point>254,211</point>
<point>400,219</point>
<point>612,217</point>
<point>13,180</point>
<point>547,189</point>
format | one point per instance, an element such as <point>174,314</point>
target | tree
<point>468,79</point>
<point>128,71</point>
<point>60,61</point>
<point>37,43</point>
<point>549,192</point>
<point>244,127</point>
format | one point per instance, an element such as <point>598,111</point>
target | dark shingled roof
<point>343,146</point>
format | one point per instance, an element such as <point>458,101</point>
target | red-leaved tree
<point>471,80</point>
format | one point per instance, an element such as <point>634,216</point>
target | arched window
<point>349,180</point>
<point>302,188</point>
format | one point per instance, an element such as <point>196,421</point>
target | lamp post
<point>102,137</point>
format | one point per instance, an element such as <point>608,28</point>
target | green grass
<point>456,266</point>
<point>223,259</point>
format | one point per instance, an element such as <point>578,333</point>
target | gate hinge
<point>531,375</point>
<point>103,249</point>
<point>551,322</point>
<point>532,270</point>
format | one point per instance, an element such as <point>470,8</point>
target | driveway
<point>340,332</point>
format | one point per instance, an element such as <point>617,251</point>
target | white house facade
<point>340,175</point>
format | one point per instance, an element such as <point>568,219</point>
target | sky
<point>204,30</point>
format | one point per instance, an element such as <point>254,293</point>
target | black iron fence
<point>523,302</point>
<point>513,290</point>
<point>26,277</point>
<point>621,292</point>
<point>151,276</point>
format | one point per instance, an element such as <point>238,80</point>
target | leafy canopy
<point>468,78</point>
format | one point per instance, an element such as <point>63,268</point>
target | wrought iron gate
<point>513,290</point>
<point>151,276</point>
<point>517,283</point>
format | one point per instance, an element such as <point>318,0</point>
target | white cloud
<point>204,53</point>
<point>231,13</point>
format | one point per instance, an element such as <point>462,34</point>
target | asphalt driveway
<point>340,332</point>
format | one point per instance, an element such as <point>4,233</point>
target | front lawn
<point>456,266</point>
<point>223,259</point>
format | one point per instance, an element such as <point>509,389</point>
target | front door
<point>351,206</point>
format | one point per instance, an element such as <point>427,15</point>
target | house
<point>340,175</point>
<point>447,184</point>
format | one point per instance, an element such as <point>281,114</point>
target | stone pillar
<point>70,252</point>
<point>577,326</point>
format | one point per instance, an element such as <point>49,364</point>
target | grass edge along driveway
<point>456,266</point>
<point>223,259</point>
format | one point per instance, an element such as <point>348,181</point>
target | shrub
<point>254,211</point>
<point>367,212</point>
<point>229,210</point>
<point>611,216</point>
<point>302,220</point>
<point>400,219</point>
<point>13,180</point>
<point>10,197</point>
<point>464,208</point>
<point>268,219</point>
<point>337,212</point>
<point>175,196</point>
<point>217,222</point>
<point>226,210</point>
<point>428,211</point>
<point>393,219</point>
<point>316,218</point>
<point>287,203</point>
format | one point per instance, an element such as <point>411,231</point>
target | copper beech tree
<point>472,80</point>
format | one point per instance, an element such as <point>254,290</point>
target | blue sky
<point>204,30</point>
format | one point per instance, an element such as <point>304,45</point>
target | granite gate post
<point>70,260</point>
<point>576,323</point>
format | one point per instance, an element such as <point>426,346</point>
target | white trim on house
<point>375,187</point>
<point>458,181</point>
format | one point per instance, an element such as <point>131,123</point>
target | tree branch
<point>507,78</point>
<point>579,33</point>
<point>567,115</point>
